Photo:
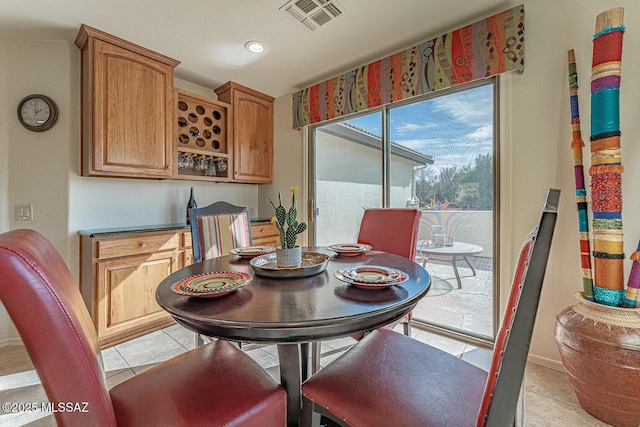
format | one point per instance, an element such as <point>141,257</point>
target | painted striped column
<point>606,163</point>
<point>581,193</point>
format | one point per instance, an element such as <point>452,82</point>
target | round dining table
<point>294,311</point>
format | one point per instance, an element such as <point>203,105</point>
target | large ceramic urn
<point>600,349</point>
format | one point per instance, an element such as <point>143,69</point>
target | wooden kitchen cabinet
<point>119,276</point>
<point>127,108</point>
<point>265,233</point>
<point>252,132</point>
<point>186,250</point>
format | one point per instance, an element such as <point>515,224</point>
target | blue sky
<point>454,128</point>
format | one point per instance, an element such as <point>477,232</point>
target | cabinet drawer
<point>186,240</point>
<point>263,229</point>
<point>136,244</point>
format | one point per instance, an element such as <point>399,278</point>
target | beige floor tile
<point>265,359</point>
<point>113,361</point>
<point>142,350</point>
<point>182,335</point>
<point>481,357</point>
<point>118,377</point>
<point>550,382</point>
<point>14,359</point>
<point>544,411</point>
<point>438,341</point>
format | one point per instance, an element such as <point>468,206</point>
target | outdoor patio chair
<point>216,384</point>
<point>388,379</point>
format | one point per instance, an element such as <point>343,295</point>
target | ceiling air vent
<point>313,14</point>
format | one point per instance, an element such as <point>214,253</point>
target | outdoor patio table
<point>452,254</point>
<point>294,312</point>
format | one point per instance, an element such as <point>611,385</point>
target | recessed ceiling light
<point>254,46</point>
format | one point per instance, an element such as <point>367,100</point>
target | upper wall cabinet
<point>252,132</point>
<point>127,108</point>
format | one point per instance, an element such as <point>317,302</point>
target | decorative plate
<point>210,285</point>
<point>371,276</point>
<point>349,249</point>
<point>252,251</point>
<point>312,263</point>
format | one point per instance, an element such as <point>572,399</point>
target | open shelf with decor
<point>201,135</point>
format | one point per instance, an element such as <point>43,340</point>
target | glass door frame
<point>474,339</point>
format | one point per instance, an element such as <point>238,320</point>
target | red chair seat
<point>388,379</point>
<point>369,380</point>
<point>213,385</point>
<point>182,392</point>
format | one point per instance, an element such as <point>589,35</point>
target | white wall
<point>535,146</point>
<point>43,168</point>
<point>289,158</point>
<point>539,135</point>
<point>6,115</point>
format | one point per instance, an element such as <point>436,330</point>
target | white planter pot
<point>289,258</point>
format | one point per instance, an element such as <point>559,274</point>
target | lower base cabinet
<point>119,274</point>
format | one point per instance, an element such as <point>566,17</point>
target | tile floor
<point>548,397</point>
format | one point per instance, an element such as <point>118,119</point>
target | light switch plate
<point>23,212</point>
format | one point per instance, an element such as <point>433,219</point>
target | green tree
<point>467,187</point>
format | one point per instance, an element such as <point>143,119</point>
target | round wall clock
<point>37,112</point>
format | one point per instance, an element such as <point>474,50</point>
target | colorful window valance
<point>486,48</point>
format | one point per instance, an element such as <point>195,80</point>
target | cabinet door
<point>132,114</point>
<point>252,138</point>
<point>127,293</point>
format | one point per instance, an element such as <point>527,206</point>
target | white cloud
<point>413,127</point>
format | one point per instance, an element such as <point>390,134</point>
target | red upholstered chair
<point>389,379</point>
<point>393,230</point>
<point>215,384</point>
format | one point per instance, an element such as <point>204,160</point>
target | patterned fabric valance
<point>486,48</point>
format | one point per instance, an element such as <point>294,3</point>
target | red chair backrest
<point>514,337</point>
<point>393,230</point>
<point>44,302</point>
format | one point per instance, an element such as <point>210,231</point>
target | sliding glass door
<point>347,161</point>
<point>439,154</point>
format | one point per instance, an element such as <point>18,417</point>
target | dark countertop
<point>120,231</point>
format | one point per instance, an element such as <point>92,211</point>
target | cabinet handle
<point>143,245</point>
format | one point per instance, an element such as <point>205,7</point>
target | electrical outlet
<point>23,212</point>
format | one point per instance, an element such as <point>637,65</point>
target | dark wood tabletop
<point>293,312</point>
<point>294,309</point>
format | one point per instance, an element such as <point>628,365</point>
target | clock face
<point>37,112</point>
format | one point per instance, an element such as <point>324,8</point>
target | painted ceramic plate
<point>371,273</point>
<point>252,251</point>
<point>349,249</point>
<point>371,277</point>
<point>211,284</point>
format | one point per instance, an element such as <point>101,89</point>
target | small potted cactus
<point>288,255</point>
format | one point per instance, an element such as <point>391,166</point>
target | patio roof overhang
<point>360,136</point>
